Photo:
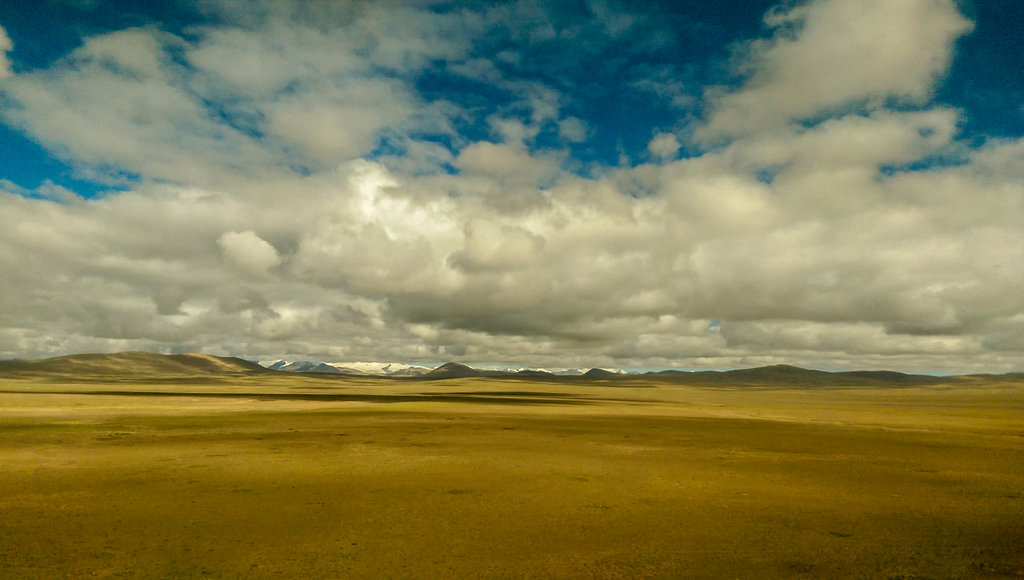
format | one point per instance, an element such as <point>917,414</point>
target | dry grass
<point>292,477</point>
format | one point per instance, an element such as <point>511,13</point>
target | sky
<point>833,184</point>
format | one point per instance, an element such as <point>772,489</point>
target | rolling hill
<point>128,365</point>
<point>454,371</point>
<point>787,375</point>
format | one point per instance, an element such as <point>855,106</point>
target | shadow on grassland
<point>499,398</point>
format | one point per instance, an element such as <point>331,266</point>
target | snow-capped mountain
<point>351,368</point>
<point>395,369</point>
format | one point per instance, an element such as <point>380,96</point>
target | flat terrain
<point>270,476</point>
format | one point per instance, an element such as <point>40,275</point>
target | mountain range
<point>406,370</point>
<point>147,366</point>
<point>373,368</point>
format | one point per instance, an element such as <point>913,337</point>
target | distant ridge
<point>358,369</point>
<point>786,374</point>
<point>129,364</point>
<point>534,373</point>
<point>454,370</point>
<point>783,375</point>
<point>307,367</point>
<point>149,366</point>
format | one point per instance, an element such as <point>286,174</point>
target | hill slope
<point>453,371</point>
<point>786,375</point>
<point>128,365</point>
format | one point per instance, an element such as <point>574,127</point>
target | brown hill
<point>128,365</point>
<point>453,370</point>
<point>786,375</point>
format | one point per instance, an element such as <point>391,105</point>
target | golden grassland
<point>277,476</point>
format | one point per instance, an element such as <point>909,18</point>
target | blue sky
<point>685,43</point>
<point>690,47</point>
<point>678,184</point>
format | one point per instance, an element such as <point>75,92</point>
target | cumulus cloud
<point>491,246</point>
<point>664,146</point>
<point>264,97</point>
<point>831,54</point>
<point>248,252</point>
<point>573,129</point>
<point>339,123</point>
<point>5,46</point>
<point>328,209</point>
<point>119,102</point>
<point>509,163</point>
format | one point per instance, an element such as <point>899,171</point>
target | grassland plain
<point>277,476</point>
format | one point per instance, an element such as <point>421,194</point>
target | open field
<point>290,477</point>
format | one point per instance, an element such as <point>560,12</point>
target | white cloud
<point>254,101</point>
<point>256,66</point>
<point>791,243</point>
<point>660,82</point>
<point>491,246</point>
<point>132,53</point>
<point>5,46</point>
<point>612,18</point>
<point>336,124</point>
<point>573,129</point>
<point>664,146</point>
<point>248,252</point>
<point>510,163</point>
<point>830,54</point>
<point>119,102</point>
<point>717,201</point>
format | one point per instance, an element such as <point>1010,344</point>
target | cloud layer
<point>300,188</point>
<point>834,54</point>
<point>5,46</point>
